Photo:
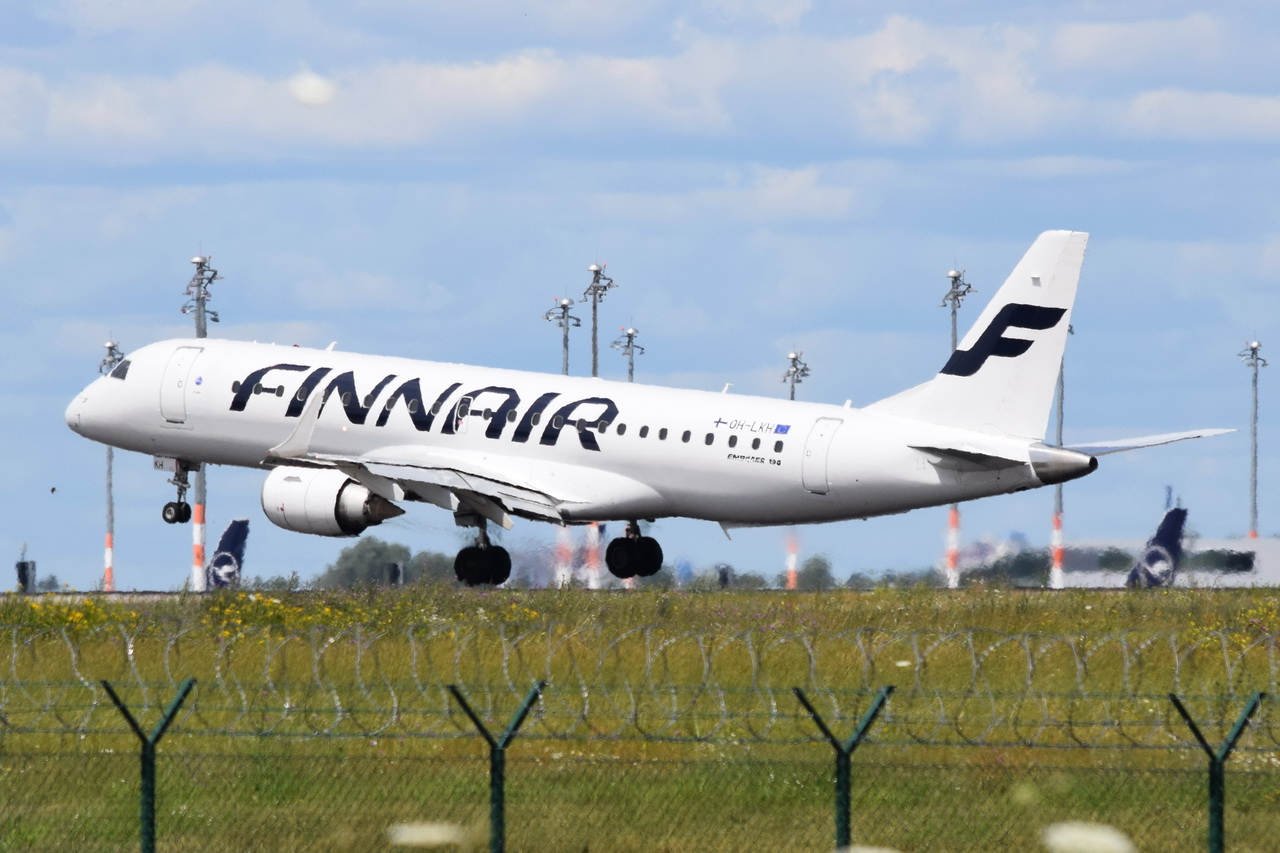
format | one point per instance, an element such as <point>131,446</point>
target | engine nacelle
<point>322,501</point>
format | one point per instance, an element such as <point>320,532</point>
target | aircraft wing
<point>1105,447</point>
<point>452,480</point>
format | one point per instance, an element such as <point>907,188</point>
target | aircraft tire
<point>499,562</point>
<point>470,566</point>
<point>171,513</point>
<point>649,556</point>
<point>184,512</point>
<point>622,557</point>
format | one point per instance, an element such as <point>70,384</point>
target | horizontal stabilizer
<point>1102,448</point>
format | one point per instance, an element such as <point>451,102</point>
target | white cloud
<point>1203,116</point>
<point>779,13</point>
<point>761,194</point>
<point>1110,47</point>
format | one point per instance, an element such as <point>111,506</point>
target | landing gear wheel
<point>171,513</point>
<point>649,556</point>
<point>184,512</point>
<point>468,566</point>
<point>499,565</point>
<point>622,557</point>
<point>476,566</point>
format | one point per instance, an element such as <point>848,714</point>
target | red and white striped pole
<point>108,570</point>
<point>563,558</point>
<point>197,547</point>
<point>1056,580</point>
<point>593,555</point>
<point>953,548</point>
<point>793,548</point>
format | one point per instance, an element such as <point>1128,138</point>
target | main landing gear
<point>179,511</point>
<point>633,554</point>
<point>482,563</point>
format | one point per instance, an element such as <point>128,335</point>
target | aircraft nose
<point>75,411</point>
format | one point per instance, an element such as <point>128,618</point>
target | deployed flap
<point>1105,447</point>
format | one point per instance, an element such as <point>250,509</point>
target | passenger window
<point>511,416</point>
<point>368,400</point>
<point>537,416</point>
<point>755,444</point>
<point>603,426</point>
<point>686,436</point>
<point>235,387</point>
<point>662,434</point>
<point>777,447</point>
<point>413,406</point>
<point>301,396</point>
<point>644,432</point>
<point>557,422</point>
<point>488,414</point>
<point>435,407</point>
<point>346,395</point>
<point>622,429</point>
<point>710,438</point>
<point>733,441</point>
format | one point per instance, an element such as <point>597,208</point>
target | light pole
<point>627,346</point>
<point>197,298</point>
<point>1254,361</point>
<point>600,284</point>
<point>795,372</point>
<point>955,295</point>
<point>1056,577</point>
<point>114,356</point>
<point>561,317</point>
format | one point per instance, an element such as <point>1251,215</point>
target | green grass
<point>320,719</point>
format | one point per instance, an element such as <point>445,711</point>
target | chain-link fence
<point>308,742</point>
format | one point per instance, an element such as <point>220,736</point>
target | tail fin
<point>1001,378</point>
<point>1159,561</point>
<point>224,569</point>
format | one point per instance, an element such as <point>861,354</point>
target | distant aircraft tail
<point>224,569</point>
<point>1001,377</point>
<point>1159,561</point>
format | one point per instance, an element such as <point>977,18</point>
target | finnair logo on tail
<point>992,342</point>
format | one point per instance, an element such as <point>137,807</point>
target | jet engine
<point>322,501</point>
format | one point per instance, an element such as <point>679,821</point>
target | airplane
<point>227,561</point>
<point>347,438</point>
<point>1159,561</point>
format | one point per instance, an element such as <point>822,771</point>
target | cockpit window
<point>121,370</point>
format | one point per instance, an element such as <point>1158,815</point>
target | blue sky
<point>422,179</point>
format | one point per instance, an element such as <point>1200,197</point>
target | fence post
<point>844,759</point>
<point>148,788</point>
<point>498,761</point>
<point>1217,767</point>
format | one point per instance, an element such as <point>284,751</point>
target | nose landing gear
<point>179,511</point>
<point>632,554</point>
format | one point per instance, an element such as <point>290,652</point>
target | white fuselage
<point>602,450</point>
